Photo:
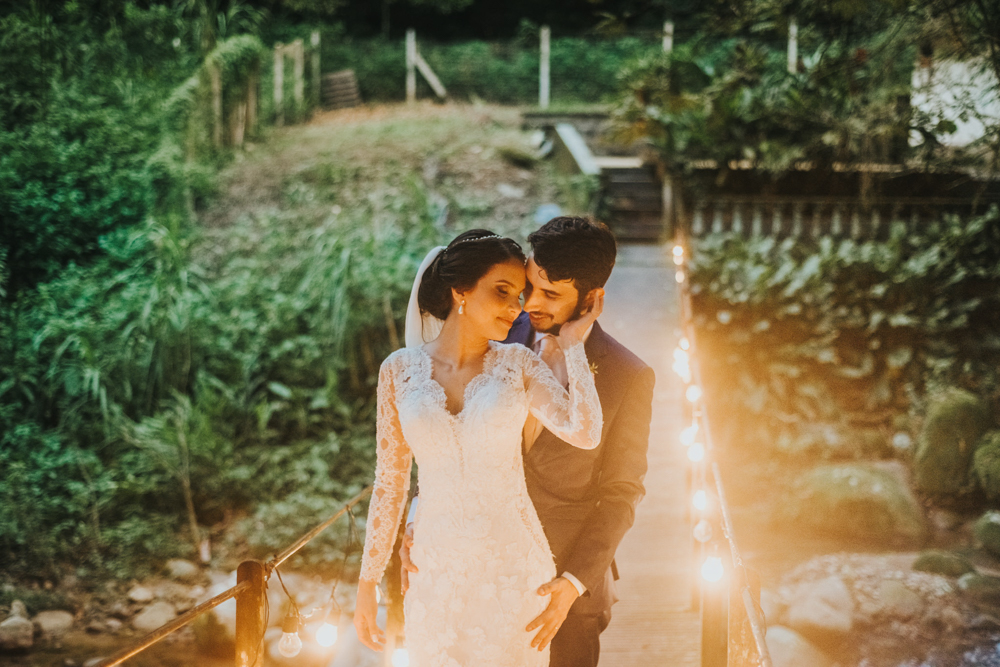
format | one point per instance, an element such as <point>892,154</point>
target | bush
<point>986,462</point>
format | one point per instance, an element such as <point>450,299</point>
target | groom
<point>585,499</point>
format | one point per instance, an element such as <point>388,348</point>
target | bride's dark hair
<point>460,266</point>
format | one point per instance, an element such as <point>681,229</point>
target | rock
<point>93,662</point>
<point>773,607</point>
<point>856,501</point>
<point>943,520</point>
<point>822,610</point>
<point>955,422</point>
<point>986,464</point>
<point>54,623</point>
<point>140,594</point>
<point>119,610</point>
<point>897,601</point>
<point>980,587</point>
<point>16,633</point>
<point>171,590</point>
<point>113,624</point>
<point>17,608</point>
<point>790,649</point>
<point>183,570</point>
<point>987,531</point>
<point>96,627</point>
<point>152,617</point>
<point>947,563</point>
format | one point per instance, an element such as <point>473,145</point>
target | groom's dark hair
<point>572,248</point>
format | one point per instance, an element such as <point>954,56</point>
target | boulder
<point>823,610</point>
<point>986,463</point>
<point>982,588</point>
<point>54,623</point>
<point>17,608</point>
<point>790,649</point>
<point>896,601</point>
<point>152,617</point>
<point>938,561</point>
<point>183,570</point>
<point>856,501</point>
<point>955,422</point>
<point>16,633</point>
<point>140,594</point>
<point>987,531</point>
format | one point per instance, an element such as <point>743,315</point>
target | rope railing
<point>250,592</point>
<point>726,592</point>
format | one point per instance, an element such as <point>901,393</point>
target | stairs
<point>632,199</point>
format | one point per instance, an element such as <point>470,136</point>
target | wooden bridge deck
<point>653,623</point>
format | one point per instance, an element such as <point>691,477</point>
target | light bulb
<point>689,434</point>
<point>327,634</point>
<point>696,452</point>
<point>700,500</point>
<point>678,259</point>
<point>679,276</point>
<point>400,658</point>
<point>678,250</point>
<point>290,644</point>
<point>703,531</point>
<point>711,569</point>
<point>693,393</point>
<point>685,343</point>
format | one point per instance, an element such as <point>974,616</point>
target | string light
<point>685,343</point>
<point>290,643</point>
<point>693,393</point>
<point>678,254</point>
<point>700,500</point>
<point>703,531</point>
<point>696,452</point>
<point>711,569</point>
<point>689,434</point>
<point>679,276</point>
<point>400,658</point>
<point>327,634</point>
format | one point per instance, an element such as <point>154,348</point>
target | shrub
<point>986,462</point>
<point>955,422</point>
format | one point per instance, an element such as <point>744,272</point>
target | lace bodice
<point>470,461</point>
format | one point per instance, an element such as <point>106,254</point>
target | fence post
<point>668,36</point>
<point>411,65</point>
<point>299,67</point>
<point>793,45</point>
<point>543,69</point>
<point>314,65</point>
<point>279,84</point>
<point>251,615</point>
<point>253,83</point>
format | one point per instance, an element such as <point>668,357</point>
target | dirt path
<point>652,624</point>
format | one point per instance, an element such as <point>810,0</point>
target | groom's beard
<point>581,307</point>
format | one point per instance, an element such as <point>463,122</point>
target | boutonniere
<point>593,368</point>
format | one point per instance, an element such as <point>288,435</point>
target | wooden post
<point>668,36</point>
<point>543,69</point>
<point>315,65</point>
<point>299,67</point>
<point>430,76</point>
<point>215,76</point>
<point>793,46</point>
<point>411,65</point>
<point>279,84</point>
<point>253,83</point>
<point>251,615</point>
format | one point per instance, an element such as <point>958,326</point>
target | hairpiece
<point>478,238</point>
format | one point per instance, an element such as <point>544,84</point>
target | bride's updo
<point>460,266</point>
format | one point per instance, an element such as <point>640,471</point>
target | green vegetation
<point>956,420</point>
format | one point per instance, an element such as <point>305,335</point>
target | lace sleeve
<point>392,482</point>
<point>573,416</point>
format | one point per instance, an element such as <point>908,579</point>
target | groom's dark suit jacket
<point>586,499</point>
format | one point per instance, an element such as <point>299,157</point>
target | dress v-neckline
<point>442,395</point>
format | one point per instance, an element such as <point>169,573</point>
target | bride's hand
<point>572,332</point>
<point>365,614</point>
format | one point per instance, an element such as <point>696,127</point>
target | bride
<point>457,400</point>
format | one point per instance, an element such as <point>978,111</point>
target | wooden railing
<point>250,592</point>
<point>727,593</point>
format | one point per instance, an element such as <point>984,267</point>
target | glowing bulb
<point>678,250</point>
<point>679,276</point>
<point>689,434</point>
<point>700,500</point>
<point>696,452</point>
<point>693,393</point>
<point>400,658</point>
<point>290,644</point>
<point>680,356</point>
<point>678,259</point>
<point>711,569</point>
<point>685,343</point>
<point>703,531</point>
<point>327,634</point>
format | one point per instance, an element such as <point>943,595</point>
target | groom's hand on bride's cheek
<point>564,594</point>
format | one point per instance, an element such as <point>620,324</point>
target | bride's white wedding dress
<point>478,543</point>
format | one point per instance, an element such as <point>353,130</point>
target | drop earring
<point>461,308</point>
